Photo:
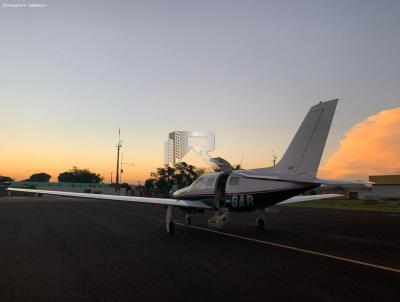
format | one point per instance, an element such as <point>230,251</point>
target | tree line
<point>73,175</point>
<point>161,183</point>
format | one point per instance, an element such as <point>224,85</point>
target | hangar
<point>385,187</point>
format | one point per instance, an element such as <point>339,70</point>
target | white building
<point>385,187</point>
<point>94,188</point>
<point>176,144</point>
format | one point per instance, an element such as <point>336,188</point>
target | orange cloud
<point>371,147</point>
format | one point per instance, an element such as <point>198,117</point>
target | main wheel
<point>171,228</point>
<point>260,224</point>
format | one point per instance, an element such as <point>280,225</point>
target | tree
<point>171,178</point>
<point>185,175</point>
<point>5,179</point>
<point>149,185</point>
<point>39,177</point>
<point>126,186</point>
<point>80,175</point>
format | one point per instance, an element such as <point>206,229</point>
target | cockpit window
<point>198,182</point>
<point>210,182</point>
<point>234,181</point>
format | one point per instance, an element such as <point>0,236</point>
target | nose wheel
<point>261,219</point>
<point>260,223</point>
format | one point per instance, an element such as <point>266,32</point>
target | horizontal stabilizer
<point>338,182</point>
<point>300,179</point>
<point>277,177</point>
<point>309,197</point>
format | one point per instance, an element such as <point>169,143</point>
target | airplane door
<point>220,186</point>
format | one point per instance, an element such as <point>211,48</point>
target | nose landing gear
<point>261,219</point>
<point>260,224</point>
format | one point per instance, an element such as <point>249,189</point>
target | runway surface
<point>64,249</point>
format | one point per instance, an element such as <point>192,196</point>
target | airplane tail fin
<point>303,156</point>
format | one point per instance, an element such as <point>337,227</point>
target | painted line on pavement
<point>311,252</point>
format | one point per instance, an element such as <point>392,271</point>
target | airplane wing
<point>309,197</point>
<point>149,200</point>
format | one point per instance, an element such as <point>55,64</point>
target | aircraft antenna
<point>274,158</point>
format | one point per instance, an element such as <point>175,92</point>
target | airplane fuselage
<point>240,194</point>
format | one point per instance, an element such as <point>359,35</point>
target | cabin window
<point>210,182</point>
<point>234,181</point>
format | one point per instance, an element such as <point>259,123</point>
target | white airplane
<point>247,190</point>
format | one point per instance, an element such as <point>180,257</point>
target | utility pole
<point>122,167</point>
<point>118,146</point>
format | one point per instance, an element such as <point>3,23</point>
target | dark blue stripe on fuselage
<point>251,201</point>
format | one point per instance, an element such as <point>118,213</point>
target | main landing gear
<point>169,221</point>
<point>261,219</point>
<point>188,219</point>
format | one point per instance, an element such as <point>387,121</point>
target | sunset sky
<point>74,72</point>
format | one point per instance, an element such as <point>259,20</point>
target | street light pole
<point>124,163</point>
<point>119,145</point>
